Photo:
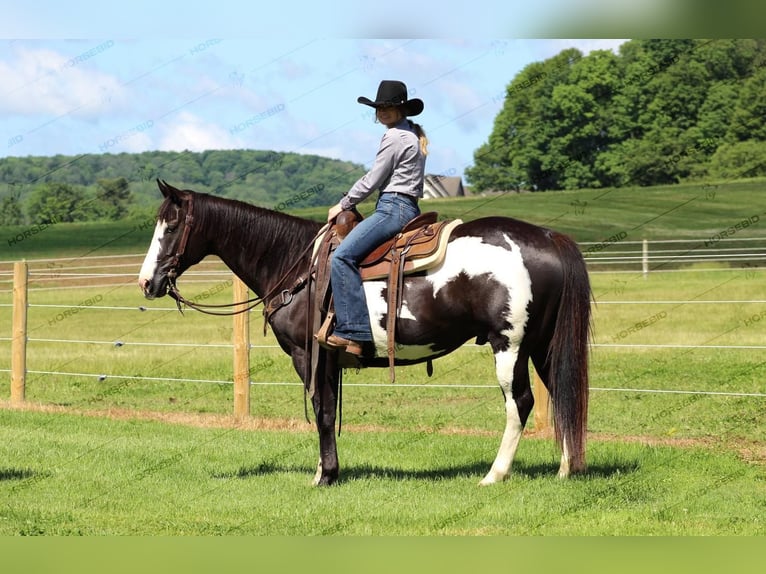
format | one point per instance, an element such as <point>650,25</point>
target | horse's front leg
<point>325,409</point>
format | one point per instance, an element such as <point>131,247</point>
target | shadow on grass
<point>16,473</point>
<point>475,470</point>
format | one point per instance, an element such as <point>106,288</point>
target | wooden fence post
<point>542,404</point>
<point>19,336</point>
<point>241,354</point>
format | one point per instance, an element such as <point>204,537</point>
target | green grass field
<point>112,443</point>
<point>696,211</point>
<point>96,476</point>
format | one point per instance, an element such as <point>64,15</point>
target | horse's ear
<point>163,187</point>
<point>168,191</point>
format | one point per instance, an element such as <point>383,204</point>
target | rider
<point>398,174</point>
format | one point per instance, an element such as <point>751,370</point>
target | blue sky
<point>292,93</point>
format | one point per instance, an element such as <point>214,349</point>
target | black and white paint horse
<point>521,288</point>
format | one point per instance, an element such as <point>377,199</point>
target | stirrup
<point>326,329</point>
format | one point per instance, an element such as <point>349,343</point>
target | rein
<point>286,295</point>
<point>203,307</point>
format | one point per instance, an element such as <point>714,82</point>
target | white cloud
<point>141,142</point>
<point>188,131</point>
<point>44,82</point>
<point>460,102</point>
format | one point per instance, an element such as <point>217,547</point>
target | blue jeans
<point>391,214</point>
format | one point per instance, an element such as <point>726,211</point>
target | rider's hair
<point>422,138</point>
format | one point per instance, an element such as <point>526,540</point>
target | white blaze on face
<point>150,261</point>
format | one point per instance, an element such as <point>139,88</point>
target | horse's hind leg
<point>569,464</point>
<point>512,368</point>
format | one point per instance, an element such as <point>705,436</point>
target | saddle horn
<point>346,221</point>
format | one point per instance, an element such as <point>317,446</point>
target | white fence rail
<point>616,254</point>
<point>610,256</point>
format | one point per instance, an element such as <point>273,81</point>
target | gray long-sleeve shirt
<point>399,167</point>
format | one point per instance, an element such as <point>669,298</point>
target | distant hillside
<point>266,178</point>
<point>702,214</point>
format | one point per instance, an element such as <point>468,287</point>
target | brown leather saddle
<point>421,245</point>
<point>418,240</point>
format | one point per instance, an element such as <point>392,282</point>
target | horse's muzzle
<point>154,288</point>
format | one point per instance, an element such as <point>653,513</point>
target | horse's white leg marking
<point>505,362</point>
<point>564,467</point>
<point>472,257</point>
<point>318,474</point>
<point>150,261</point>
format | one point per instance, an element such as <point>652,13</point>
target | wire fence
<point>611,255</point>
<point>616,254</point>
<point>718,253</point>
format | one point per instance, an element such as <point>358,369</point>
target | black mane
<point>264,226</point>
<point>246,227</point>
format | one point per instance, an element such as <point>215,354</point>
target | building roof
<point>436,186</point>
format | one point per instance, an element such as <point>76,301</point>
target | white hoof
<point>318,475</point>
<point>492,478</point>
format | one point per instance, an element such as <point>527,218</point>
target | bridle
<point>270,302</point>
<point>173,271</point>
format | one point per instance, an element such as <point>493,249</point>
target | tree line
<point>89,187</point>
<point>658,112</point>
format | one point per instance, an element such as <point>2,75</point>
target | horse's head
<point>173,248</point>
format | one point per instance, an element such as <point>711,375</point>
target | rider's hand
<point>334,212</point>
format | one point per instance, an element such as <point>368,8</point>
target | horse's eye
<point>169,230</point>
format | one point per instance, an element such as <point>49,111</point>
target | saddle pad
<point>415,264</point>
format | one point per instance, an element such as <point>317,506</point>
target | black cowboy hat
<point>394,93</point>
